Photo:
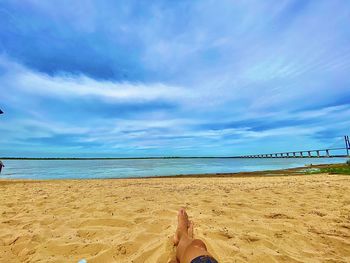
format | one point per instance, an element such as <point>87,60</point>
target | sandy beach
<point>303,218</point>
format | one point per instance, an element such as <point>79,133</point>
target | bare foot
<point>182,226</point>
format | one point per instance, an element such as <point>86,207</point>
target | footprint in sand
<point>278,216</point>
<point>315,212</point>
<point>250,238</point>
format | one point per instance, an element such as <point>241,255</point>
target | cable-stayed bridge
<point>329,152</point>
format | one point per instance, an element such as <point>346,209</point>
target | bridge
<point>320,153</point>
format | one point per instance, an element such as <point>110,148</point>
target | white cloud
<point>82,86</point>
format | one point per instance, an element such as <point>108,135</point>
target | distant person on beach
<point>1,165</point>
<point>189,250</point>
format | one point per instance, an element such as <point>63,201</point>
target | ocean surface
<point>121,168</point>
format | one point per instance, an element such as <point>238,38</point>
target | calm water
<point>78,169</point>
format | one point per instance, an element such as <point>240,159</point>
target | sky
<point>173,78</point>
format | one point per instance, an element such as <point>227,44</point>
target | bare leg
<point>187,247</point>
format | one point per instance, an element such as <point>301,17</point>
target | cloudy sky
<point>173,78</point>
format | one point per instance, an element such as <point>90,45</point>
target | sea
<point>125,168</point>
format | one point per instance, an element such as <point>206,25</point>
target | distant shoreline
<point>154,158</point>
<point>107,158</point>
<point>300,170</point>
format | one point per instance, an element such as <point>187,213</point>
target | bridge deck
<point>322,153</point>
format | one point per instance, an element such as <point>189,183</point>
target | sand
<point>247,219</point>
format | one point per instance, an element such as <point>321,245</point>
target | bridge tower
<point>347,144</point>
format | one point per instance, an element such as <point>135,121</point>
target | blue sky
<point>173,78</point>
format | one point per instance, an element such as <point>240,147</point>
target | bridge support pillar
<point>327,153</point>
<point>318,153</point>
<point>294,154</point>
<point>301,154</point>
<point>309,153</point>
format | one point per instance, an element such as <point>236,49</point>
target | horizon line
<point>115,158</point>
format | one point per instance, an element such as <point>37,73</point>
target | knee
<point>199,243</point>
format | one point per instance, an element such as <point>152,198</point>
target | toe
<point>190,229</point>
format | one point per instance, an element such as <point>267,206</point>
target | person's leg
<point>187,247</point>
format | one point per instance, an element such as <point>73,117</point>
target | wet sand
<point>295,218</point>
